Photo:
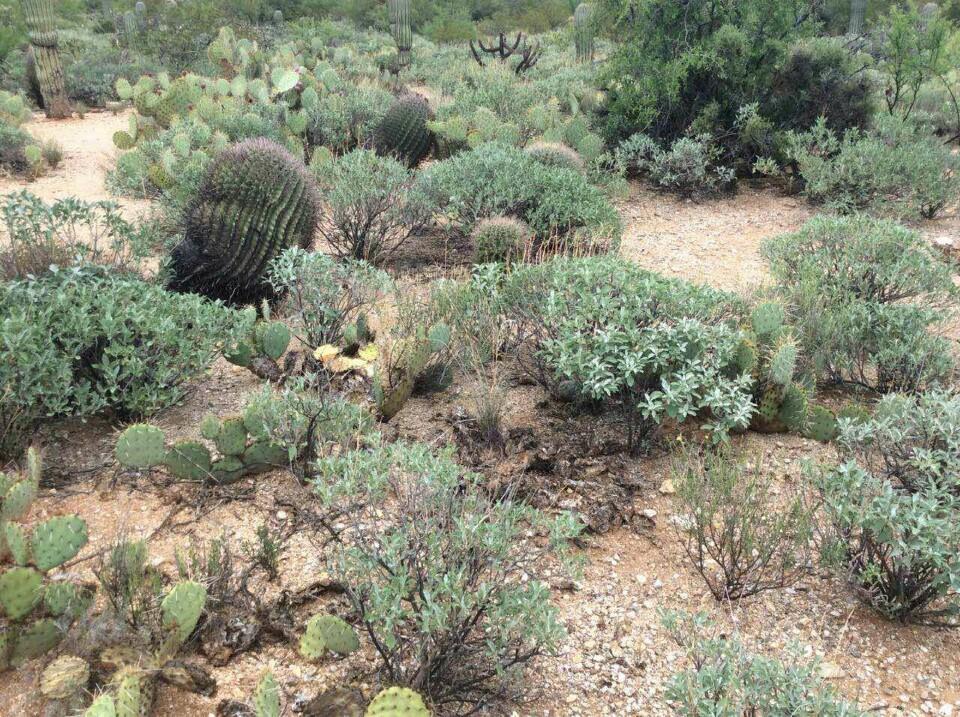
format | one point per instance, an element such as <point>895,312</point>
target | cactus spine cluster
<point>255,201</point>
<point>406,361</point>
<point>400,29</point>
<point>403,132</point>
<point>769,352</point>
<point>583,31</point>
<point>37,610</point>
<point>142,446</point>
<point>43,40</point>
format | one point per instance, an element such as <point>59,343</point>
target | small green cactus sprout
<point>64,677</point>
<point>266,699</point>
<point>140,446</point>
<point>397,702</point>
<point>328,632</point>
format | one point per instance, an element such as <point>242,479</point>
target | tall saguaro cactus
<point>400,27</point>
<point>43,39</point>
<point>858,9</point>
<point>583,31</point>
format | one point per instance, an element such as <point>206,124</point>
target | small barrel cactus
<point>583,32</point>
<point>403,132</point>
<point>499,239</point>
<point>555,154</point>
<point>256,201</point>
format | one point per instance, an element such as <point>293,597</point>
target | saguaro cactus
<point>400,27</point>
<point>858,9</point>
<point>583,32</point>
<point>43,39</point>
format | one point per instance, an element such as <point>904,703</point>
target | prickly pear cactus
<point>266,699</point>
<point>397,702</point>
<point>769,353</point>
<point>328,632</point>
<point>255,201</point>
<point>407,360</point>
<point>181,610</point>
<point>37,610</point>
<point>103,706</point>
<point>821,424</point>
<point>140,446</point>
<point>403,131</point>
<point>64,677</point>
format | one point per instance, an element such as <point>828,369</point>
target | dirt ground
<point>616,659</point>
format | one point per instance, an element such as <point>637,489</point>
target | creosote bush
<point>446,581</point>
<point>741,540</point>
<point>867,297</point>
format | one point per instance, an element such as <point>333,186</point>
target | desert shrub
<point>13,141</point>
<point>324,294</point>
<point>373,207</point>
<point>741,540</point>
<point>898,540</point>
<point>609,332</point>
<point>494,180</point>
<point>688,167</point>
<point>499,239</point>
<point>447,582</point>
<point>896,169</point>
<point>82,340</point>
<point>67,232</point>
<point>866,296</point>
<point>727,680</point>
<point>52,153</point>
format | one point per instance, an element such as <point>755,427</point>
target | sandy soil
<point>617,658</point>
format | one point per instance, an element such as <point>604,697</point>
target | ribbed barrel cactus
<point>400,28</point>
<point>583,30</point>
<point>403,131</point>
<point>255,201</point>
<point>43,39</point>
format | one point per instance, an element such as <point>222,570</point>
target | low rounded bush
<point>498,239</point>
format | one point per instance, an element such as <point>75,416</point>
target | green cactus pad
<point>275,339</point>
<point>821,424</point>
<point>241,355</point>
<point>182,607</point>
<point>391,400</point>
<point>57,540</point>
<point>64,677</point>
<point>328,632</point>
<point>17,543</point>
<point>123,140</point>
<point>262,454</point>
<point>767,319</point>
<point>140,446</point>
<point>210,427</point>
<point>103,706</point>
<point>61,597</point>
<point>17,502</point>
<point>783,361</point>
<point>188,460</point>
<point>6,482</point>
<point>397,702</point>
<point>36,640</point>
<point>253,421</point>
<point>232,438</point>
<point>129,697</point>
<point>20,591</point>
<point>266,699</point>
<point>793,408</point>
<point>439,337</point>
<point>228,469</point>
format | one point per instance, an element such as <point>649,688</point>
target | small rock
<point>830,671</point>
<point>666,488</point>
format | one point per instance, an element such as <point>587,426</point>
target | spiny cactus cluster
<point>328,633</point>
<point>403,131</point>
<point>37,610</point>
<point>40,18</point>
<point>405,362</point>
<point>397,702</point>
<point>142,446</point>
<point>499,239</point>
<point>255,201</point>
<point>583,32</point>
<point>265,343</point>
<point>769,352</point>
<point>400,29</point>
<point>555,154</point>
<point>133,682</point>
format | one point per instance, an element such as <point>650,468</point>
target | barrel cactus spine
<point>400,28</point>
<point>255,201</point>
<point>43,39</point>
<point>583,32</point>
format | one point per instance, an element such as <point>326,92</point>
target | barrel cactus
<point>499,239</point>
<point>583,32</point>
<point>403,132</point>
<point>43,40</point>
<point>255,201</point>
<point>37,610</point>
<point>400,29</point>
